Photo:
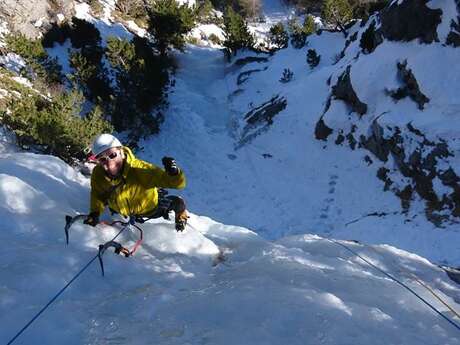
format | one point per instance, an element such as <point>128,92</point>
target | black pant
<point>167,203</point>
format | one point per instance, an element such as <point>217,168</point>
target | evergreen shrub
<point>41,65</point>
<point>53,125</point>
<point>278,36</point>
<point>236,31</point>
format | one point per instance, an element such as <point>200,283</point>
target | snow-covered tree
<point>169,22</point>
<point>278,36</point>
<point>338,13</point>
<point>237,35</point>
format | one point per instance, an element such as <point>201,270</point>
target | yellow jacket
<point>134,192</point>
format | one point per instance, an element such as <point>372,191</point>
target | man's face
<point>112,161</point>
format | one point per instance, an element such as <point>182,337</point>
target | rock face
<point>322,131</point>
<point>453,38</point>
<point>413,149</point>
<point>33,17</point>
<point>370,39</point>
<point>409,20</point>
<point>260,119</point>
<point>410,86</point>
<point>343,90</point>
<point>416,158</point>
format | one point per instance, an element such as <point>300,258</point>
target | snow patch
<point>12,62</point>
<point>82,11</point>
<point>335,302</point>
<point>449,15</point>
<point>20,197</point>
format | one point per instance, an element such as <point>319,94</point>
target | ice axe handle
<point>69,220</point>
<point>68,223</point>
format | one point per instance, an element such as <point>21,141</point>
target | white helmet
<point>104,142</point>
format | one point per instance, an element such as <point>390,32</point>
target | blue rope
<point>51,301</point>
<point>60,292</point>
<point>397,281</point>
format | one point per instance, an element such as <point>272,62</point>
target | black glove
<point>92,219</point>
<point>170,166</point>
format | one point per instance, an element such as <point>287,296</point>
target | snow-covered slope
<point>267,279</point>
<point>405,109</point>
<point>275,177</point>
<point>178,290</point>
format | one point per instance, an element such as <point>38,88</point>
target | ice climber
<point>129,186</point>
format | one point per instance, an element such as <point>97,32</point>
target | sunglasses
<point>104,159</point>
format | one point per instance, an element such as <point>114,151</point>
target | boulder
<point>32,18</point>
<point>409,20</point>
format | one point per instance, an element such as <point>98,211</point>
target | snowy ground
<point>306,186</point>
<point>285,182</point>
<point>175,290</point>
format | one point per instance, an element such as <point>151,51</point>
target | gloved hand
<point>92,219</point>
<point>170,166</point>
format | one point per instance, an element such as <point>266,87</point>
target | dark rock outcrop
<point>370,39</point>
<point>259,119</point>
<point>382,174</point>
<point>344,91</point>
<point>453,38</point>
<point>411,165</point>
<point>376,143</point>
<point>419,165</point>
<point>409,20</point>
<point>322,132</point>
<point>410,87</point>
<point>244,76</point>
<point>240,63</point>
<point>250,59</point>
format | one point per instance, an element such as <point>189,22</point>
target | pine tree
<point>313,58</point>
<point>131,8</point>
<point>41,66</point>
<point>84,33</point>
<point>287,76</point>
<point>90,74</point>
<point>247,8</point>
<point>168,22</point>
<point>205,9</point>
<point>309,25</point>
<point>142,78</point>
<point>54,125</point>
<point>236,31</point>
<point>338,13</point>
<point>298,37</point>
<point>278,36</point>
<point>120,53</point>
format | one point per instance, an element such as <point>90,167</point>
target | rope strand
<point>396,281</point>
<point>60,292</point>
